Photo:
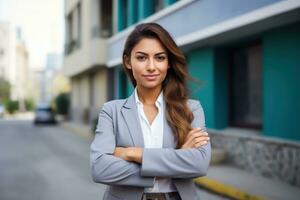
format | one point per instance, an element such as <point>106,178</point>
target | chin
<point>151,85</point>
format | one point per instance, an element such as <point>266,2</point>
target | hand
<point>121,152</point>
<point>195,139</point>
<point>131,154</point>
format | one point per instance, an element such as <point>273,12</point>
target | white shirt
<point>153,138</point>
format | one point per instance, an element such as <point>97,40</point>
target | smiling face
<point>149,63</point>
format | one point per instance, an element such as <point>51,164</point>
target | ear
<point>127,62</point>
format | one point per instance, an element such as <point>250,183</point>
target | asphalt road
<point>44,163</point>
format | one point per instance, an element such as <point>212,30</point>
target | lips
<point>151,76</point>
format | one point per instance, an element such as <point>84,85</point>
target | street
<point>44,163</point>
<point>48,163</point>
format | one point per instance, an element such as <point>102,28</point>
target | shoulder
<point>113,105</point>
<point>194,105</point>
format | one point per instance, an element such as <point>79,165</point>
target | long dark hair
<point>175,90</point>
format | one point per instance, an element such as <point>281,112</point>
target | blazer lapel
<point>130,115</point>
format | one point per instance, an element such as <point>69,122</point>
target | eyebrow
<point>147,54</point>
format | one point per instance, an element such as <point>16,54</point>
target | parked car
<point>2,110</point>
<point>44,114</point>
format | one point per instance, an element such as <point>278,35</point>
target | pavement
<point>236,183</point>
<point>226,181</point>
<point>44,162</point>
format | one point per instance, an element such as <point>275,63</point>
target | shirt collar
<point>159,99</point>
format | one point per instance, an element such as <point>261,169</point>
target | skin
<point>149,57</point>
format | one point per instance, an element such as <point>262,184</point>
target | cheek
<point>164,69</point>
<point>137,71</point>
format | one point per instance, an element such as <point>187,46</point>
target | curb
<point>224,189</point>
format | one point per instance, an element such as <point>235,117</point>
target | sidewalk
<point>241,184</point>
<point>225,180</point>
<point>19,116</point>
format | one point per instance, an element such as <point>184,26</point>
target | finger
<point>193,131</point>
<point>201,139</point>
<point>189,136</point>
<point>199,134</point>
<point>204,133</point>
<point>197,141</point>
<point>200,144</point>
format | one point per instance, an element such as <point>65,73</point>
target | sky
<point>42,24</point>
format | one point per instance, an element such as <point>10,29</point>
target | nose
<point>151,65</point>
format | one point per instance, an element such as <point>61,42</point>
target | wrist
<point>135,154</point>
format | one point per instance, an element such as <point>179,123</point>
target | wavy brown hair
<point>175,91</point>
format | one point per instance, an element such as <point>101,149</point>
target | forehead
<point>149,46</point>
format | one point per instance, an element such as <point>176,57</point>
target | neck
<point>148,96</point>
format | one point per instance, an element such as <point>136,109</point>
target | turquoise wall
<point>145,8</point>
<point>125,87</point>
<point>209,66</point>
<point>132,11</point>
<point>281,81</point>
<point>122,21</point>
<point>201,66</point>
<point>129,87</point>
<point>169,2</point>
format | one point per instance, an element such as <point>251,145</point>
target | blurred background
<point>60,60</point>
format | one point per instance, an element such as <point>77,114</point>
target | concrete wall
<point>271,158</point>
<point>92,49</point>
<point>100,88</point>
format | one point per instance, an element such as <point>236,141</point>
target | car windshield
<point>44,109</point>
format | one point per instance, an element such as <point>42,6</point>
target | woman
<point>152,144</point>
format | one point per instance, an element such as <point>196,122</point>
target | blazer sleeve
<point>107,168</point>
<point>179,163</point>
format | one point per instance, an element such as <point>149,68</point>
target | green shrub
<point>11,106</point>
<point>4,90</point>
<point>29,104</point>
<point>62,103</point>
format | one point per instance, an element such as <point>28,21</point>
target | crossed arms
<point>138,166</point>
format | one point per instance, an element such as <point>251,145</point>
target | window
<point>111,83</point>
<point>69,28</point>
<point>73,29</point>
<point>246,86</point>
<point>78,12</point>
<point>106,18</point>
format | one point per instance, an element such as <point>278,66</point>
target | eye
<point>141,58</point>
<point>160,58</point>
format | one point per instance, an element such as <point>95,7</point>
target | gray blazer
<point>118,125</point>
